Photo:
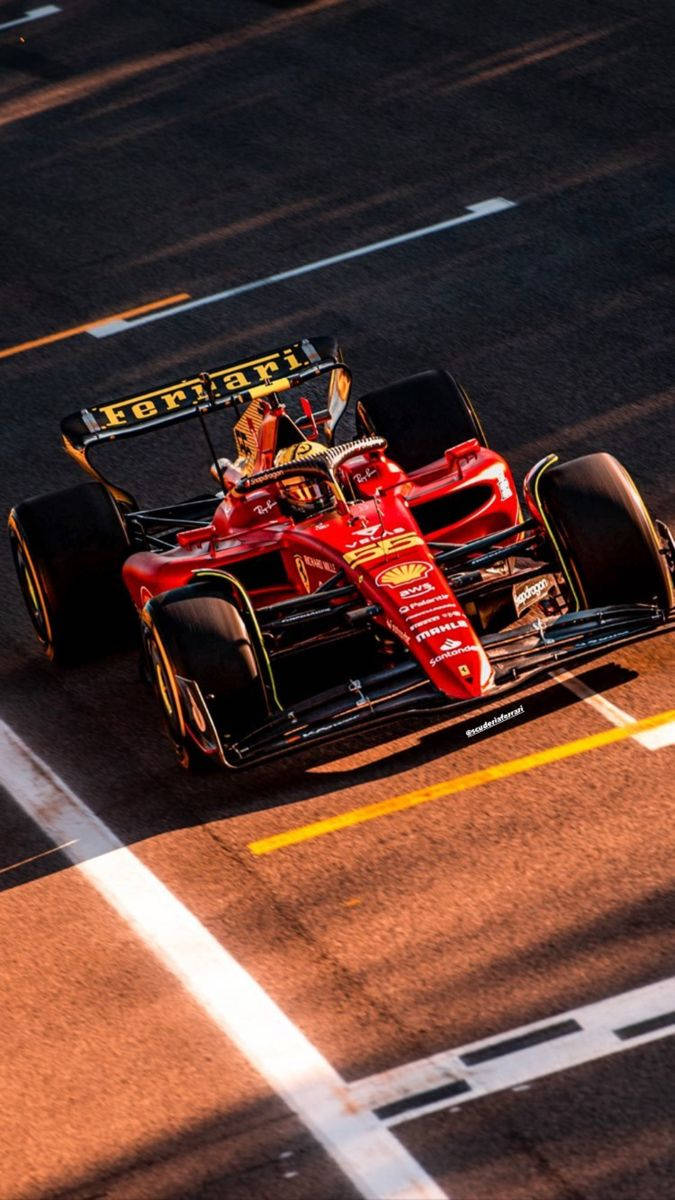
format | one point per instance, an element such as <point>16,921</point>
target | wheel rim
<point>30,589</point>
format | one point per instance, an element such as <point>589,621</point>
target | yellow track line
<point>67,333</point>
<point>515,766</point>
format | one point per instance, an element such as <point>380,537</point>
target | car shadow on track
<point>109,750</point>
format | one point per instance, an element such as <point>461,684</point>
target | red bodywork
<point>378,539</point>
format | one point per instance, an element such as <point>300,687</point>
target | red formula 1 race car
<point>318,586</point>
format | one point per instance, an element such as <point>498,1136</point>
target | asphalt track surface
<point>186,148</point>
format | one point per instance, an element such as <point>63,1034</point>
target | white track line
<point>33,14</point>
<point>484,208</point>
<point>579,1036</point>
<point>370,1156</point>
<point>651,739</point>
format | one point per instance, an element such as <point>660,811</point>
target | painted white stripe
<point>368,1154</point>
<point>484,208</point>
<point>597,1038</point>
<point>651,739</point>
<point>33,14</point>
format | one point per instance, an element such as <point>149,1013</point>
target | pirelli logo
<point>190,392</point>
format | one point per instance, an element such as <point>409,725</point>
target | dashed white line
<point>651,739</point>
<point>370,1156</point>
<point>513,1059</point>
<point>483,208</point>
<point>33,14</point>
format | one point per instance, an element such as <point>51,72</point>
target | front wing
<point>517,656</point>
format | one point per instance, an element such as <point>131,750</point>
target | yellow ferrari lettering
<point>264,370</point>
<point>382,549</point>
<point>234,380</point>
<point>113,414</point>
<point>172,399</point>
<point>144,409</point>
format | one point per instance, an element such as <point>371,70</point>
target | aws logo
<point>402,574</point>
<point>383,548</point>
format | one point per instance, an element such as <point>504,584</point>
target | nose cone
<point>461,671</point>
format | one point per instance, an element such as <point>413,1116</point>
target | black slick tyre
<point>603,534</point>
<point>68,550</point>
<point>208,667</point>
<point>421,417</point>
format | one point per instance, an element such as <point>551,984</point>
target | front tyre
<point>603,534</point>
<point>208,666</point>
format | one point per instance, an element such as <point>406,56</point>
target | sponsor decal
<point>320,564</point>
<point>383,548</point>
<point>400,633</point>
<point>364,476</point>
<point>436,600</point>
<point>190,392</point>
<point>433,662</point>
<point>464,670</point>
<point>498,720</point>
<point>447,627</point>
<point>527,594</point>
<point>402,573</point>
<point>428,619</point>
<point>505,489</point>
<point>368,533</point>
<point>416,590</point>
<point>450,644</point>
<point>263,509</point>
<point>302,572</point>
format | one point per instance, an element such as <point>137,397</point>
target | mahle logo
<point>402,574</point>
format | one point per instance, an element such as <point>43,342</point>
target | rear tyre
<point>421,417</point>
<point>208,667</point>
<point>603,534</point>
<point>68,550</point>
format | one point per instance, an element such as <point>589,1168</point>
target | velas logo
<point>402,574</point>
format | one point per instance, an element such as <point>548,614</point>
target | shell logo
<point>402,574</point>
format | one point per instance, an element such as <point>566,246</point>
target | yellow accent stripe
<point>67,333</point>
<point>516,766</point>
<point>552,459</point>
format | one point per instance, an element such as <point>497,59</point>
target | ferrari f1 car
<point>320,586</point>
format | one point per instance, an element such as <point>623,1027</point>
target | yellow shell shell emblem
<point>403,573</point>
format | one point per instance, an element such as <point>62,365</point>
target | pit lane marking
<point>463,783</point>
<point>33,14</point>
<point>484,208</point>
<point>514,1059</point>
<point>651,739</point>
<point>369,1155</point>
<point>90,326</point>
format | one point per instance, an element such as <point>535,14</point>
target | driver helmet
<point>304,496</point>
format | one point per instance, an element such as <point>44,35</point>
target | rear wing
<point>225,387</point>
